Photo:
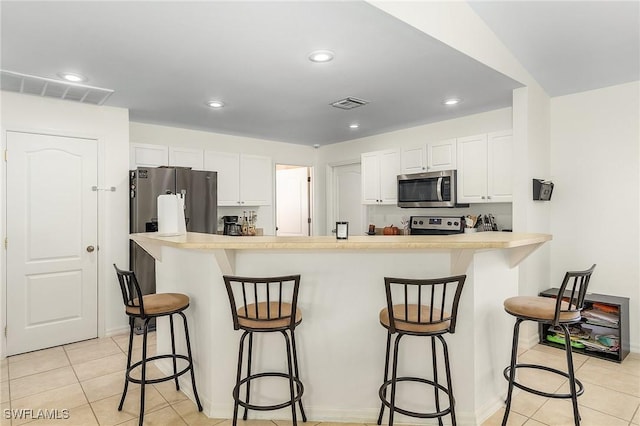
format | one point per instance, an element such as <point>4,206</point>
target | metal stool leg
<point>244,416</point>
<point>295,366</point>
<point>126,380</point>
<point>449,381</point>
<point>143,373</point>
<point>173,351</point>
<point>512,369</point>
<point>386,375</point>
<point>291,375</point>
<point>236,389</point>
<point>572,378</point>
<point>435,376</point>
<point>193,374</point>
<point>394,378</point>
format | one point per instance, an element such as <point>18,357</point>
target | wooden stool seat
<point>159,304</point>
<point>270,316</point>
<point>539,309</point>
<point>414,323</point>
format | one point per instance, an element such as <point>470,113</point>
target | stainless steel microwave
<point>431,189</point>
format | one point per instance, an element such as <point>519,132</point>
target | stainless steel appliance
<point>430,189</point>
<point>200,204</point>
<point>436,225</point>
<point>231,226</point>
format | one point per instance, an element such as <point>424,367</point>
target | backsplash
<point>386,215</point>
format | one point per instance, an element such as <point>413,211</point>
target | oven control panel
<point>440,224</point>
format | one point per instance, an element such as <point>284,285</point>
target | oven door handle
<point>439,189</point>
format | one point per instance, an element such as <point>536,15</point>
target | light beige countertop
<point>479,240</point>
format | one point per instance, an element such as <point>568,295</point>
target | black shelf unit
<point>622,330</point>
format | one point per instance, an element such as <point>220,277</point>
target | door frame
<point>103,253</point>
<point>331,201</point>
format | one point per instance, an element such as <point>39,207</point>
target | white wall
<point>110,126</point>
<point>595,165</point>
<point>491,121</point>
<point>280,153</point>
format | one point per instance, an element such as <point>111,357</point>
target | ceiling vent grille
<point>349,103</point>
<point>40,86</point>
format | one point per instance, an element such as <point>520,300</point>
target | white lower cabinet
<point>380,170</point>
<point>243,180</point>
<point>484,168</point>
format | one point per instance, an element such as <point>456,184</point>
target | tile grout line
<point>80,383</point>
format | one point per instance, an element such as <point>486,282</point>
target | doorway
<point>293,200</point>
<point>52,236</point>
<point>345,188</point>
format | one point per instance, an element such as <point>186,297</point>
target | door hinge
<point>308,178</point>
<point>6,242</point>
<point>5,331</point>
<point>309,220</point>
<point>5,155</point>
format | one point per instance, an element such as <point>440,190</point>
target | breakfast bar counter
<point>340,341</point>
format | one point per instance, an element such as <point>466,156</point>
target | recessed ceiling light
<point>354,126</point>
<point>452,101</point>
<point>321,56</point>
<point>215,104</point>
<point>72,77</point>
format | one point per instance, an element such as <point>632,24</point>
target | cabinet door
<point>370,175</point>
<point>412,160</point>
<point>472,169</point>
<point>441,155</point>
<point>186,157</point>
<point>228,167</point>
<point>146,155</point>
<point>500,160</point>
<point>389,170</point>
<point>256,180</point>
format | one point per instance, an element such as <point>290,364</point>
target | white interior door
<point>347,197</point>
<point>51,241</point>
<point>292,201</point>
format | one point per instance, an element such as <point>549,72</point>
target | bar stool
<point>559,312</point>
<point>266,305</point>
<point>147,307</point>
<point>428,308</point>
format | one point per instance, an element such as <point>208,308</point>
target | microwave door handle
<point>439,189</point>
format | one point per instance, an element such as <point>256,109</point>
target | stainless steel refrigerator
<point>200,201</point>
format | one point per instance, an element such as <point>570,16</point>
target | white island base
<point>341,344</point>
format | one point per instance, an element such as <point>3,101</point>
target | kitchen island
<point>340,341</point>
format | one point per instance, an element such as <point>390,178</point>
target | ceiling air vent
<point>40,86</point>
<point>349,103</point>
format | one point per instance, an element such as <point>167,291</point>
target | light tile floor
<point>87,377</point>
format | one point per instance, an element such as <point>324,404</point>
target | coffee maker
<point>231,226</point>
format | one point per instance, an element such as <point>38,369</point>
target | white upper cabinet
<point>147,155</point>
<point>379,176</point>
<point>186,157</point>
<point>432,157</point>
<point>243,180</point>
<point>484,168</point>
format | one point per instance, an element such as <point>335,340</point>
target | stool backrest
<point>130,289</point>
<point>572,291</point>
<point>436,300</point>
<point>263,299</point>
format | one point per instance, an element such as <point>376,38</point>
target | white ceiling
<point>164,60</point>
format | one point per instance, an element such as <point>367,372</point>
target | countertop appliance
<point>200,204</point>
<point>430,189</point>
<point>436,225</point>
<point>231,226</point>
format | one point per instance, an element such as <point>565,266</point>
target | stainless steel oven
<point>431,189</point>
<point>436,225</point>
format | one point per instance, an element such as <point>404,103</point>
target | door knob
<point>90,249</point>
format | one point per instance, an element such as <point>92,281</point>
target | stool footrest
<point>436,414</point>
<point>298,396</point>
<point>579,391</point>
<point>161,379</point>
